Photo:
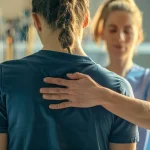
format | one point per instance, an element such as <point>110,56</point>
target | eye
<point>128,31</point>
<point>112,30</point>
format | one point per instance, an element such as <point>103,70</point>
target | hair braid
<point>66,22</point>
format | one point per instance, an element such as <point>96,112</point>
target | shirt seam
<point>126,88</point>
<point>125,137</point>
<point>122,88</point>
<point>69,59</point>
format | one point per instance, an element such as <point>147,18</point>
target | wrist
<point>105,96</point>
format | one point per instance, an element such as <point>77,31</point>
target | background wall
<point>12,8</point>
<point>144,5</point>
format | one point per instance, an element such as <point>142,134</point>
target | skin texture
<point>3,141</point>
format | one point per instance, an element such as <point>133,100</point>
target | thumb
<point>76,76</point>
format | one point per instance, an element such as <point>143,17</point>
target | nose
<point>121,36</point>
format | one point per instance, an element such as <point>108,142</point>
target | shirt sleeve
<point>123,131</point>
<point>148,90</point>
<point>3,113</point>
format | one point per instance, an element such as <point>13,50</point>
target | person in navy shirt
<point>26,122</point>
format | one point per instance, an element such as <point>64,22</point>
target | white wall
<point>12,8</point>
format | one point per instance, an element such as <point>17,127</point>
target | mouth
<point>119,46</point>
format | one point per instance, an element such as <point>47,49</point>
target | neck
<point>77,50</point>
<point>50,42</point>
<point>120,66</point>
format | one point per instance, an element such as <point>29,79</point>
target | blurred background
<point>18,37</point>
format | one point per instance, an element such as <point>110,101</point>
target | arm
<point>3,141</point>
<point>134,110</point>
<point>113,146</point>
<point>83,88</point>
<point>131,109</point>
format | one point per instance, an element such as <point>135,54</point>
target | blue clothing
<point>139,78</point>
<point>31,125</point>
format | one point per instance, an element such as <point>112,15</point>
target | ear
<point>140,37</point>
<point>86,20</point>
<point>101,32</point>
<point>37,22</point>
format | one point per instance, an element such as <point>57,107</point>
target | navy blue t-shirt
<point>31,125</point>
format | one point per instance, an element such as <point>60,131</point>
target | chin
<point>120,51</point>
<point>119,55</point>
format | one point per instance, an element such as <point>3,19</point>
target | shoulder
<point>110,80</point>
<point>16,65</point>
<point>138,72</point>
<point>126,88</point>
<point>138,75</point>
<point>11,66</point>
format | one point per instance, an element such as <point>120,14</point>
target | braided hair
<point>65,15</point>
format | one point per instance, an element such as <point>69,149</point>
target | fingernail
<point>51,107</point>
<point>69,74</point>
<point>40,90</point>
<point>45,79</point>
<point>44,96</point>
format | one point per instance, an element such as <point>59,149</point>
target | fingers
<point>57,97</point>
<point>76,76</point>
<point>55,90</point>
<point>61,105</point>
<point>58,81</point>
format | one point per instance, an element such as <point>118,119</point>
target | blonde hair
<point>109,6</point>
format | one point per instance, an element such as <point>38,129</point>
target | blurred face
<point>121,34</point>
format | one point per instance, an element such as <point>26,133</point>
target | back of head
<point>109,6</point>
<point>65,15</point>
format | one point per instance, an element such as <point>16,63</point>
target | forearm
<point>3,141</point>
<point>125,146</point>
<point>133,110</point>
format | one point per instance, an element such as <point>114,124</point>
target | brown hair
<point>109,6</point>
<point>66,15</point>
